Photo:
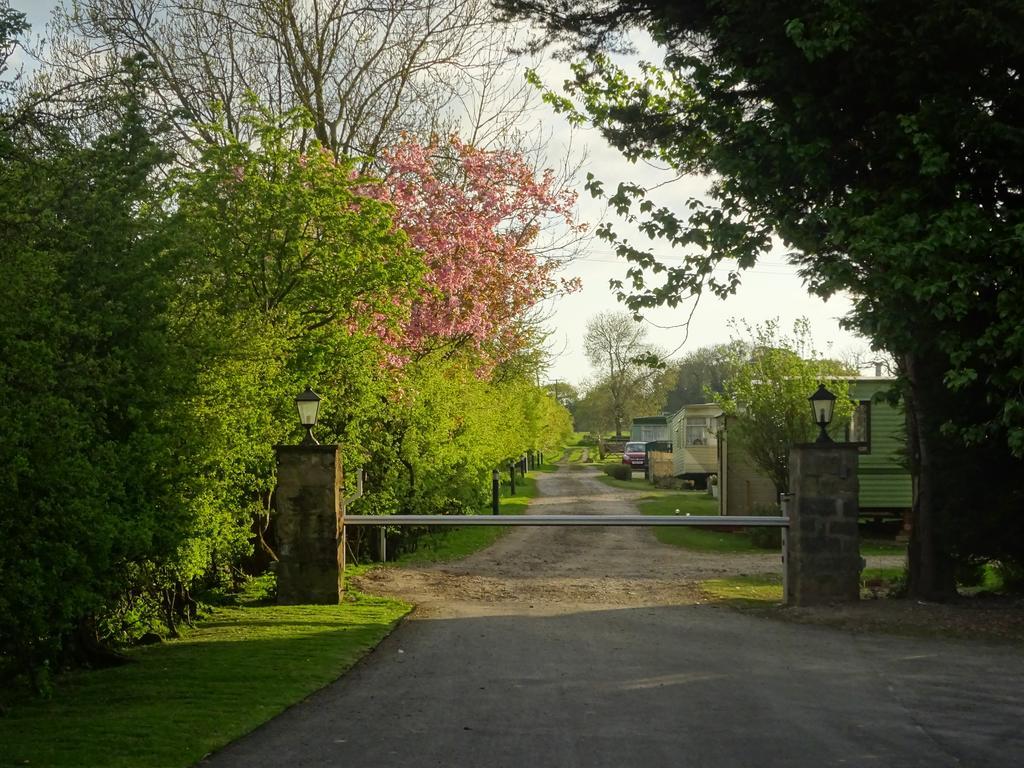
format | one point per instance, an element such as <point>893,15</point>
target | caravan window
<point>697,432</point>
<point>859,429</point>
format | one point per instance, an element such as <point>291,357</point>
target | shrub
<point>1012,575</point>
<point>766,538</point>
<point>970,573</point>
<point>618,471</point>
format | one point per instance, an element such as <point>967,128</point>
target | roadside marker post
<point>495,492</point>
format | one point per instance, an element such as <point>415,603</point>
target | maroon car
<point>635,455</point>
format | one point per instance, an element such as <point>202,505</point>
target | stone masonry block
<point>823,562</point>
<point>309,519</point>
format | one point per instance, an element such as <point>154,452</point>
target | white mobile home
<point>694,437</point>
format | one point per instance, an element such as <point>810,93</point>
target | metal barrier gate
<point>639,521</point>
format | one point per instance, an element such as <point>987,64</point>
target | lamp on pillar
<point>823,404</point>
<point>308,405</point>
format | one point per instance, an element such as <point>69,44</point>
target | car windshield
<point>635,447</point>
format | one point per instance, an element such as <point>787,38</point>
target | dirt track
<point>566,569</point>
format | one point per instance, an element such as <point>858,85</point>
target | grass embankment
<point>182,699</point>
<point>441,545</point>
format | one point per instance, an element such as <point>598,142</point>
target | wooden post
<point>512,476</point>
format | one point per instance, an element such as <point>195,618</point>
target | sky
<point>771,290</point>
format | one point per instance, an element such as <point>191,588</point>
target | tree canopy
<point>766,396</point>
<point>627,371</point>
<point>702,372</point>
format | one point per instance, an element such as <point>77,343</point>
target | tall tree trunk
<point>931,574</point>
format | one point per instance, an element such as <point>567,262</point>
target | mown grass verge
<point>765,590</point>
<point>745,591</point>
<point>182,699</point>
<point>653,501</point>
<point>440,545</point>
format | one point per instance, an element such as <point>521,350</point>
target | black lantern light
<point>823,403</point>
<point>308,404</point>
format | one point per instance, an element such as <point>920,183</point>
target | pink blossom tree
<point>475,215</point>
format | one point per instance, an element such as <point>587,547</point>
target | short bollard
<point>495,492</point>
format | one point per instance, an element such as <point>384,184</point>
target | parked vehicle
<point>635,455</point>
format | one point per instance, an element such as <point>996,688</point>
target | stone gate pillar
<point>309,525</point>
<point>823,561</point>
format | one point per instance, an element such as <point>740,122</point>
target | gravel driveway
<point>574,568</point>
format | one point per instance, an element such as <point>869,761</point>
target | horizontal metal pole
<point>645,521</point>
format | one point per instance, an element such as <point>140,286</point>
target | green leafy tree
<point>87,373</point>
<point>627,365</point>
<point>702,372</point>
<point>881,141</point>
<point>766,397</point>
<point>594,412</point>
<point>289,277</point>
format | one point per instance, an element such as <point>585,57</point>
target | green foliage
<point>701,373</point>
<point>155,327</point>
<point>1011,575</point>
<point>631,379</point>
<point>443,544</point>
<point>87,371</point>
<point>290,277</point>
<point>440,439</point>
<point>618,471</point>
<point>766,399</point>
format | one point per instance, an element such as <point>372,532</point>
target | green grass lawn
<point>653,501</point>
<point>878,546</point>
<point>181,699</point>
<point>445,544</point>
<point>766,589</point>
<point>752,591</point>
<point>695,503</point>
<point>637,484</point>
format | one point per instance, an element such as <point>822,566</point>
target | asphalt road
<point>495,683</point>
